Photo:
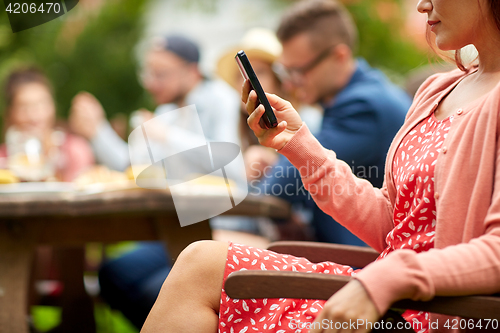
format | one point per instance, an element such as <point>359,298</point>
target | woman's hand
<point>289,120</point>
<point>348,310</point>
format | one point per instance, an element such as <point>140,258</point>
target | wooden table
<point>73,219</point>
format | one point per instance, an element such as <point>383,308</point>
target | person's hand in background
<point>139,117</point>
<point>289,120</point>
<point>157,130</point>
<point>257,160</point>
<point>86,115</point>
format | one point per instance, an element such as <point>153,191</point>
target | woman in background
<point>35,149</point>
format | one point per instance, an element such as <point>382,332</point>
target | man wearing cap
<point>172,76</point>
<point>131,282</point>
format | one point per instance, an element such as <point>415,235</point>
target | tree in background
<point>384,41</point>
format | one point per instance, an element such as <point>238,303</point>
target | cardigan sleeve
<point>468,265</point>
<point>467,261</point>
<point>363,209</point>
<point>463,269</point>
<point>471,267</point>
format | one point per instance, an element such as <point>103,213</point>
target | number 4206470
<point>24,8</point>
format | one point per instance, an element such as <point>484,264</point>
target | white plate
<point>37,188</point>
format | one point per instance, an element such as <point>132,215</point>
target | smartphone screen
<point>268,119</point>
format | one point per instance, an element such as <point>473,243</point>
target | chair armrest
<point>356,256</point>
<point>274,284</point>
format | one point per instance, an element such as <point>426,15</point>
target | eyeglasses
<point>158,76</point>
<point>294,74</point>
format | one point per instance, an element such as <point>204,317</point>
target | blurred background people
<point>362,109</point>
<point>35,148</point>
<point>171,75</point>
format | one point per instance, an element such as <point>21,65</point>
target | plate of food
<point>37,188</point>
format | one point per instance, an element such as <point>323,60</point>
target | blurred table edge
<point>127,200</point>
<point>70,219</point>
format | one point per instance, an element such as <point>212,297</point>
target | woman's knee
<point>204,253</point>
<point>203,261</point>
<point>201,266</point>
<point>195,282</point>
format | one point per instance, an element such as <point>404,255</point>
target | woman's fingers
<point>245,90</point>
<point>254,118</point>
<point>288,118</point>
<point>268,136</point>
<point>348,310</point>
<point>316,326</point>
<point>277,102</point>
<point>252,102</point>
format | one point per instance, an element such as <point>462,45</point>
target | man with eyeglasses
<point>362,109</point>
<point>130,283</point>
<point>172,76</point>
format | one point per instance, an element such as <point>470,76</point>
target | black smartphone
<point>268,119</point>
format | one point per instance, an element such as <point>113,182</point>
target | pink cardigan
<point>466,258</point>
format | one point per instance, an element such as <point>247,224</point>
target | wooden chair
<point>274,284</point>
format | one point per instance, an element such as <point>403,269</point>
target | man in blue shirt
<point>362,109</point>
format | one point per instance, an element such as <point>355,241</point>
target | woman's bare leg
<point>189,299</point>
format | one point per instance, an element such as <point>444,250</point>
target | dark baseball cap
<point>181,46</point>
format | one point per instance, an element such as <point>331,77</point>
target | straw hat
<point>258,43</point>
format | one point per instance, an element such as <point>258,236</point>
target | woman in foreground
<point>436,221</point>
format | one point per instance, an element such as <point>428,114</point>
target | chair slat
<point>274,284</point>
<point>355,256</point>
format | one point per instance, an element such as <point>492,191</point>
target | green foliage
<point>85,49</point>
<point>111,321</point>
<point>383,42</point>
<point>107,320</point>
<point>45,318</point>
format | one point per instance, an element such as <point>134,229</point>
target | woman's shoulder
<point>430,90</point>
<point>441,81</point>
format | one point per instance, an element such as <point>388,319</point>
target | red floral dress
<point>414,228</point>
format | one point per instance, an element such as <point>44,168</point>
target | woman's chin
<point>445,44</point>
